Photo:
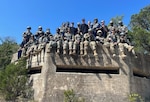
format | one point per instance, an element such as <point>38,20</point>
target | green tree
<point>140,30</point>
<point>7,48</point>
<point>13,81</point>
<point>142,19</point>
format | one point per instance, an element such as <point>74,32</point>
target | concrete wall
<point>49,85</point>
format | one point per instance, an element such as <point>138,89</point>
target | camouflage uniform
<point>68,43</point>
<point>112,38</point>
<point>30,45</point>
<point>123,43</point>
<point>40,42</point>
<point>89,41</point>
<point>59,39</point>
<point>27,34</point>
<point>39,33</point>
<point>111,27</point>
<point>99,37</point>
<point>122,28</point>
<point>76,43</point>
<point>51,41</point>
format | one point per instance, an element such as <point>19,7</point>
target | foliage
<point>141,40</point>
<point>7,48</point>
<point>70,96</point>
<point>14,81</point>
<point>135,98</point>
<point>142,19</point>
<point>140,30</point>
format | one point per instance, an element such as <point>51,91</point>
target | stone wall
<point>49,85</point>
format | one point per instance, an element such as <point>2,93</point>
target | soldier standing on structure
<point>59,40</point>
<point>96,26</point>
<point>63,29</point>
<point>111,27</point>
<point>90,25</point>
<point>122,28</point>
<point>39,33</point>
<point>28,33</point>
<point>104,29</point>
<point>78,27</point>
<point>84,27</point>
<point>73,30</point>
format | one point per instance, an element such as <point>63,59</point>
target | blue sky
<point>16,15</point>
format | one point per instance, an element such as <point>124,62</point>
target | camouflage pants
<point>93,45</point>
<point>41,46</point>
<point>75,45</point>
<point>112,47</point>
<point>125,45</point>
<point>59,44</point>
<point>68,45</point>
<point>52,44</point>
<point>86,44</point>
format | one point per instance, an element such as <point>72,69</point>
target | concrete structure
<point>96,79</point>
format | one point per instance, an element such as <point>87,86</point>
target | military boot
<point>95,53</point>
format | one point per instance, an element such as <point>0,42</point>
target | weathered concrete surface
<point>50,85</point>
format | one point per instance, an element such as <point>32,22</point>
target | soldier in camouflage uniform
<point>111,27</point>
<point>59,39</point>
<point>99,37</point>
<point>31,46</point>
<point>68,42</point>
<point>112,39</point>
<point>123,43</point>
<point>28,33</point>
<point>51,41</point>
<point>39,33</point>
<point>89,41</point>
<point>76,43</point>
<point>40,42</point>
<point>122,28</point>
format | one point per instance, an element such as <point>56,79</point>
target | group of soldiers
<point>77,40</point>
